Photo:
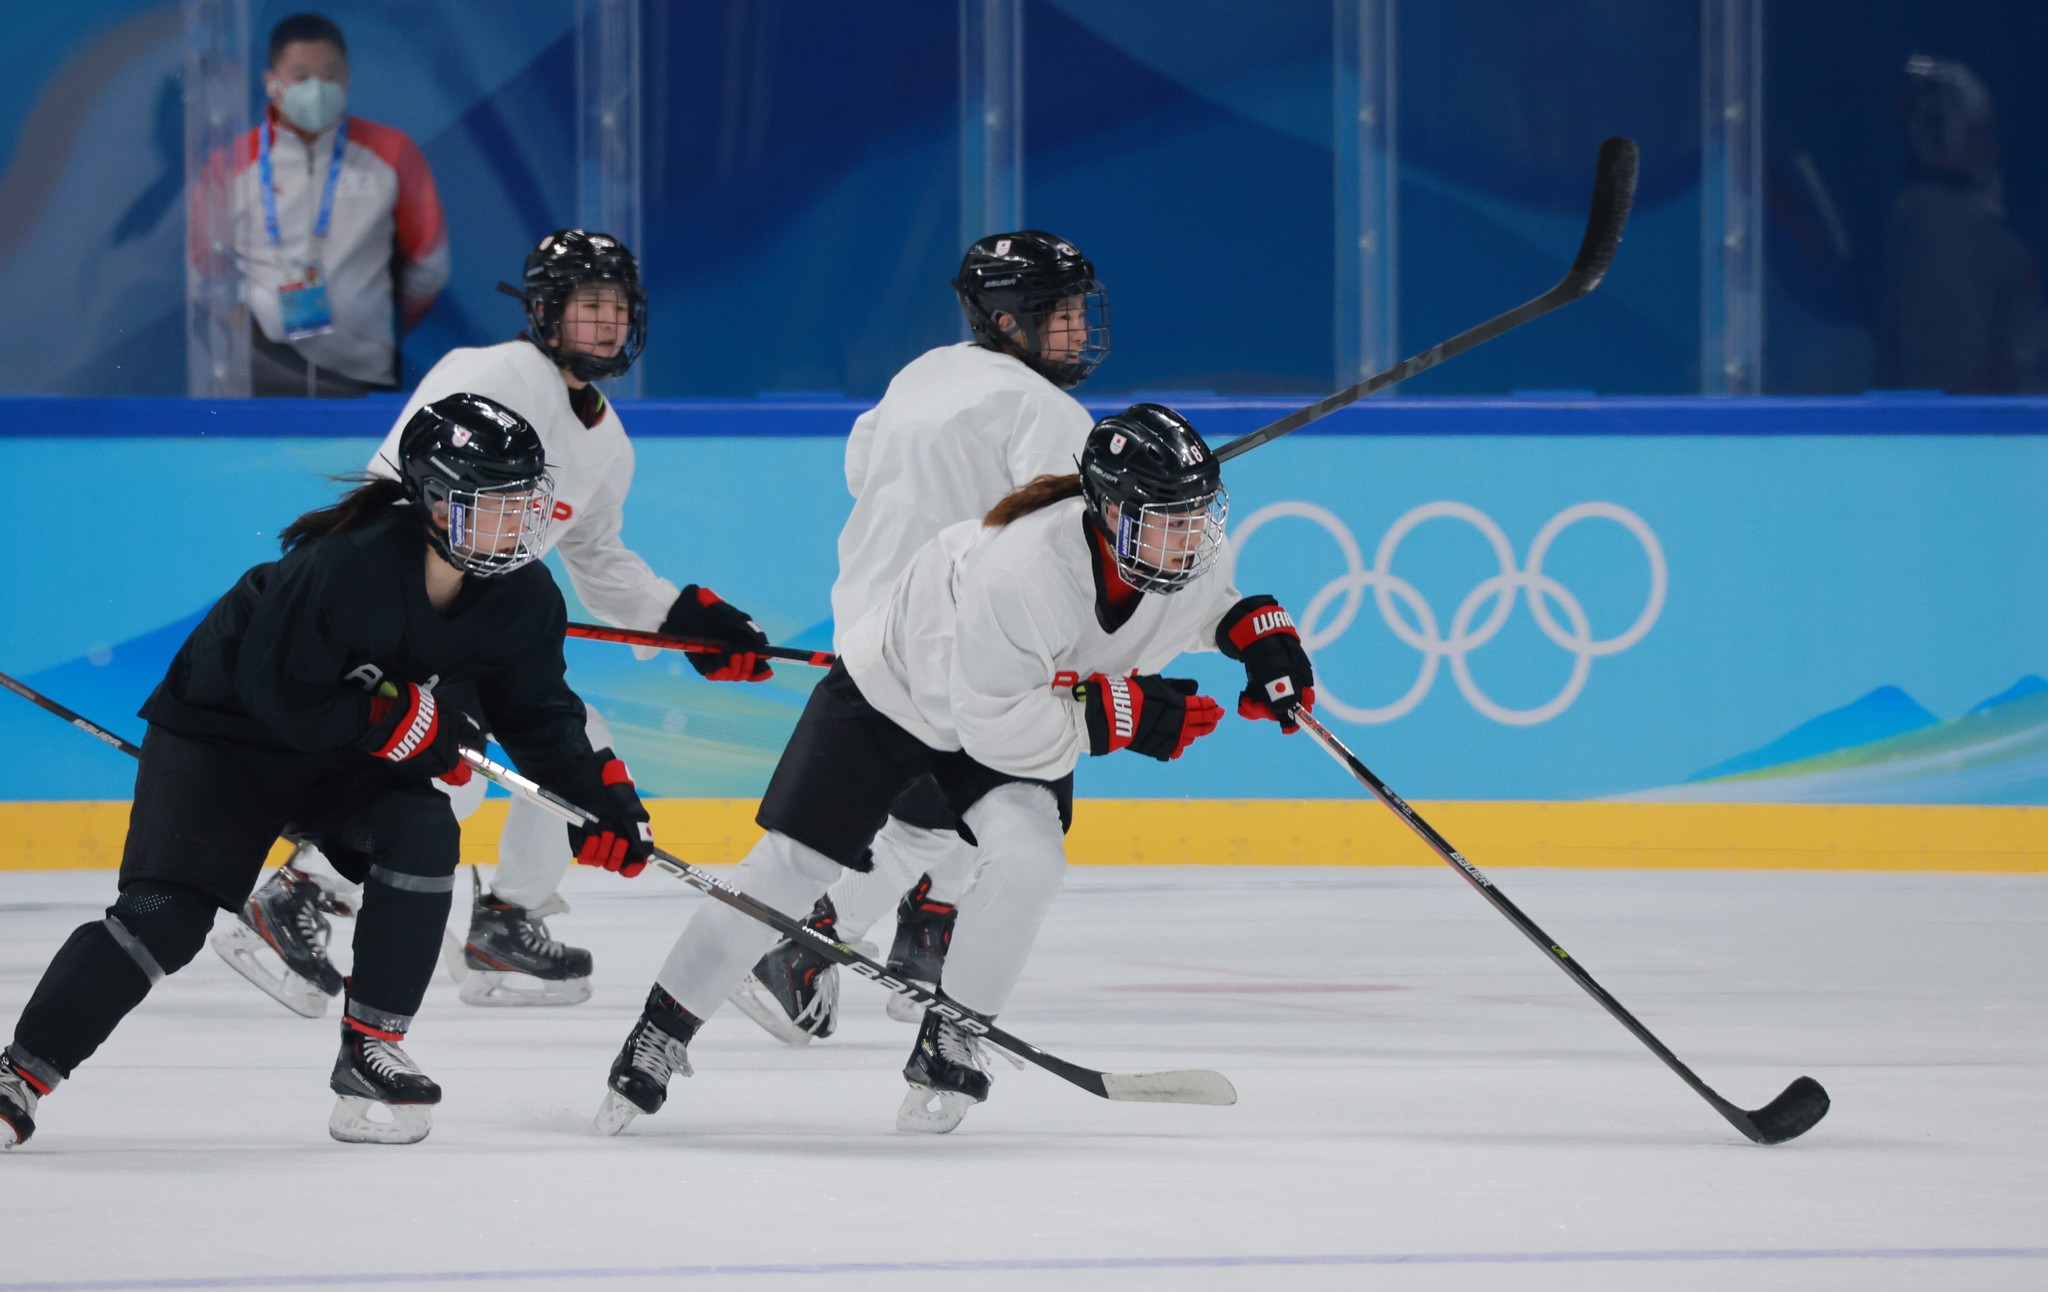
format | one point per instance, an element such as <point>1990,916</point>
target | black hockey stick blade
<point>1614,192</point>
<point>1789,1116</point>
<point>1191,1086</point>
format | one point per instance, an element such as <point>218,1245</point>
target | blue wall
<point>1851,605</point>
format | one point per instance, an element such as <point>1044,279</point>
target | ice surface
<point>1425,1104</point>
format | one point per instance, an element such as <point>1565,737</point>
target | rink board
<point>1311,832</point>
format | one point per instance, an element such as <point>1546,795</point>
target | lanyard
<point>270,189</point>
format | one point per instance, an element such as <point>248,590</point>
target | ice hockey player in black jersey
<point>586,317</point>
<point>320,697</point>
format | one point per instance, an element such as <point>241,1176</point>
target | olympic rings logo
<point>1494,598</point>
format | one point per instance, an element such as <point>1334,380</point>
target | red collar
<point>1115,600</point>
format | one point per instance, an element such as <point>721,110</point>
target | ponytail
<point>360,505</point>
<point>1031,496</point>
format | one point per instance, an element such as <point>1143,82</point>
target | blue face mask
<point>313,104</point>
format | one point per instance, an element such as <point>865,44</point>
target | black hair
<point>304,26</point>
<point>372,496</point>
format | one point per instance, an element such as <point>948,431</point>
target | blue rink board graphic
<point>1732,617</point>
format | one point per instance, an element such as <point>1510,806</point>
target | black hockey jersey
<point>288,658</point>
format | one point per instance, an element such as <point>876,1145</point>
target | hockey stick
<point>698,645</point>
<point>451,950</point>
<point>1790,1115</point>
<point>1192,1086</point>
<point>1614,190</point>
<point>72,716</point>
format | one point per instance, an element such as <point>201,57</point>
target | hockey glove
<point>1258,633</point>
<point>699,613</point>
<point>620,839</point>
<point>416,734</point>
<point>1147,714</point>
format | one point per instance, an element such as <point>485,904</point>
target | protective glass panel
<point>1908,204</point>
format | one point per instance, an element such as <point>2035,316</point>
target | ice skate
<point>512,960</point>
<point>279,940</point>
<point>384,1097</point>
<point>924,931</point>
<point>947,1076</point>
<point>20,1091</point>
<point>793,992</point>
<point>657,1049</point>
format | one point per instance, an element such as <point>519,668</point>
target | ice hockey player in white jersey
<point>586,321</point>
<point>1008,648</point>
<point>958,429</point>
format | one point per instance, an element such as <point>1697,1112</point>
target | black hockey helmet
<point>1026,275</point>
<point>556,266</point>
<point>1167,490</point>
<point>482,466</point>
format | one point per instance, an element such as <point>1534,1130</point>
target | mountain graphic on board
<point>1882,713</point>
<point>1996,753</point>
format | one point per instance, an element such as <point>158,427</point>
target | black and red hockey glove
<point>1147,714</point>
<point>698,612</point>
<point>1258,633</point>
<point>415,734</point>
<point>620,839</point>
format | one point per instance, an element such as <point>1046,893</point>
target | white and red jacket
<point>592,467</point>
<point>386,211</point>
<point>957,429</point>
<point>980,640</point>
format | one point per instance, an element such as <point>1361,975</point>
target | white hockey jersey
<point>592,467</point>
<point>957,429</point>
<point>964,653</point>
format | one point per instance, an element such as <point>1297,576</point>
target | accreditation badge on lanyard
<point>302,284</point>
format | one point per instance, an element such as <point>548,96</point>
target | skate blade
<point>253,958</point>
<point>932,1112</point>
<point>353,1122</point>
<point>613,1114</point>
<point>452,957</point>
<point>490,987</point>
<point>753,1000</point>
<point>905,1010</point>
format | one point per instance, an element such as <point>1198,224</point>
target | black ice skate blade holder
<point>1794,1112</point>
<point>1187,1086</point>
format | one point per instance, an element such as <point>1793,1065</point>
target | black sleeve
<point>317,620</point>
<point>527,702</point>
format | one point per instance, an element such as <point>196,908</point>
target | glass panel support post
<point>608,158</point>
<point>991,118</point>
<point>1365,150</point>
<point>1731,197</point>
<point>216,37</point>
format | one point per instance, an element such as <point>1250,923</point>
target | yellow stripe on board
<point>1308,832</point>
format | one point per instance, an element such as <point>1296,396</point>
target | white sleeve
<point>1005,709</point>
<point>860,447</point>
<point>1050,430</point>
<point>1223,594</point>
<point>478,371</point>
<point>610,577</point>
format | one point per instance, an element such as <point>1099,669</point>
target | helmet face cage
<point>564,261</point>
<point>1028,275</point>
<point>1164,546</point>
<point>1032,313</point>
<point>481,519</point>
<point>1068,373</point>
